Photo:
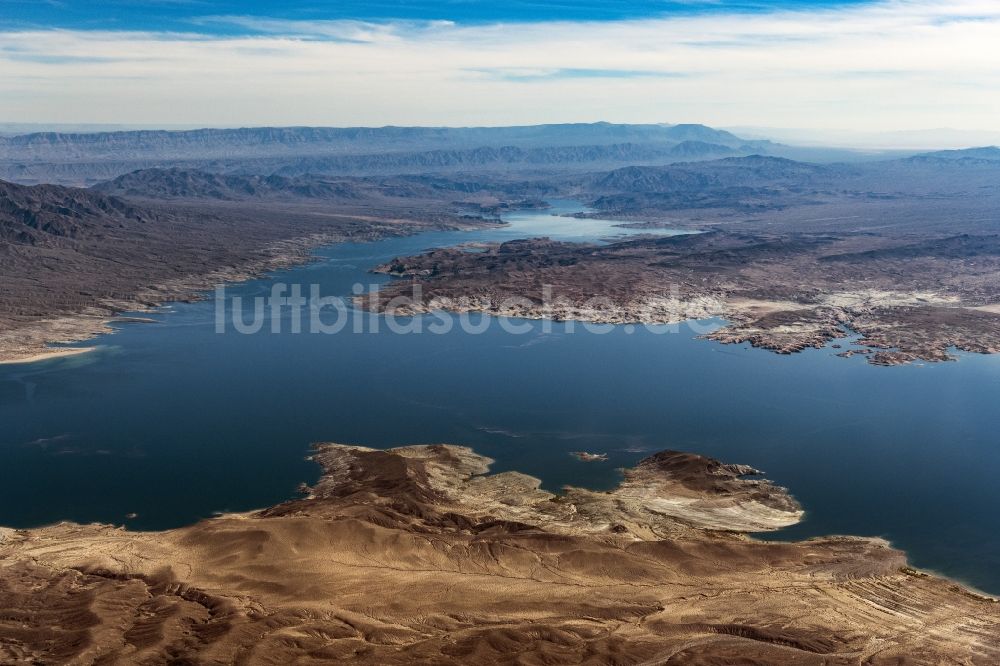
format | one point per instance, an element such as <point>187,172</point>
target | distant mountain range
<point>760,182</point>
<point>272,141</point>
<point>290,152</point>
<point>984,154</point>
<point>736,182</point>
<point>86,158</point>
<point>589,156</point>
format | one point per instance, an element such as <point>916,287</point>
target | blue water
<point>172,421</point>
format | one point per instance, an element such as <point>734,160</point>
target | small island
<point>584,456</point>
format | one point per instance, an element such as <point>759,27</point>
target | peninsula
<point>418,555</point>
<point>909,299</point>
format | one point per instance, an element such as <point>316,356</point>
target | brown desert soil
<point>418,555</point>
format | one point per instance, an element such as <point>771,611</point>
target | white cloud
<point>892,65</point>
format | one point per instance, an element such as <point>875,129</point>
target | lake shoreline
<point>30,342</point>
<point>753,281</point>
<point>445,529</point>
<point>629,410</point>
<point>48,355</point>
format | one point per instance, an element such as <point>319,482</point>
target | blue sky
<point>183,15</point>
<point>878,66</point>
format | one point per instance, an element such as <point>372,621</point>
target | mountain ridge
<point>45,214</point>
<point>976,154</point>
<point>85,158</point>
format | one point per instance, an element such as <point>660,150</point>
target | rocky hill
<point>968,180</point>
<point>740,183</point>
<point>751,170</point>
<point>193,184</point>
<point>50,214</point>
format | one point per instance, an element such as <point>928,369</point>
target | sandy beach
<point>46,355</point>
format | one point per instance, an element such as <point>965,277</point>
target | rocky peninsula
<point>908,298</point>
<point>419,555</point>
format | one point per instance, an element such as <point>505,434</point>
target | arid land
<point>908,298</point>
<point>71,259</point>
<point>418,555</point>
<point>793,255</point>
<point>903,251</point>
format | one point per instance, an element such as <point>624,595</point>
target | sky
<point>888,66</point>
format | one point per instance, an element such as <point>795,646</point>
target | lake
<point>172,421</point>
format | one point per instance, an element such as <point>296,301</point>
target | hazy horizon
<point>833,65</point>
<point>911,140</point>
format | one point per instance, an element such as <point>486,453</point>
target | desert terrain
<point>419,555</point>
<point>72,258</point>
<point>908,301</point>
<point>792,255</point>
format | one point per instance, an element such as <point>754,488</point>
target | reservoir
<point>172,421</point>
